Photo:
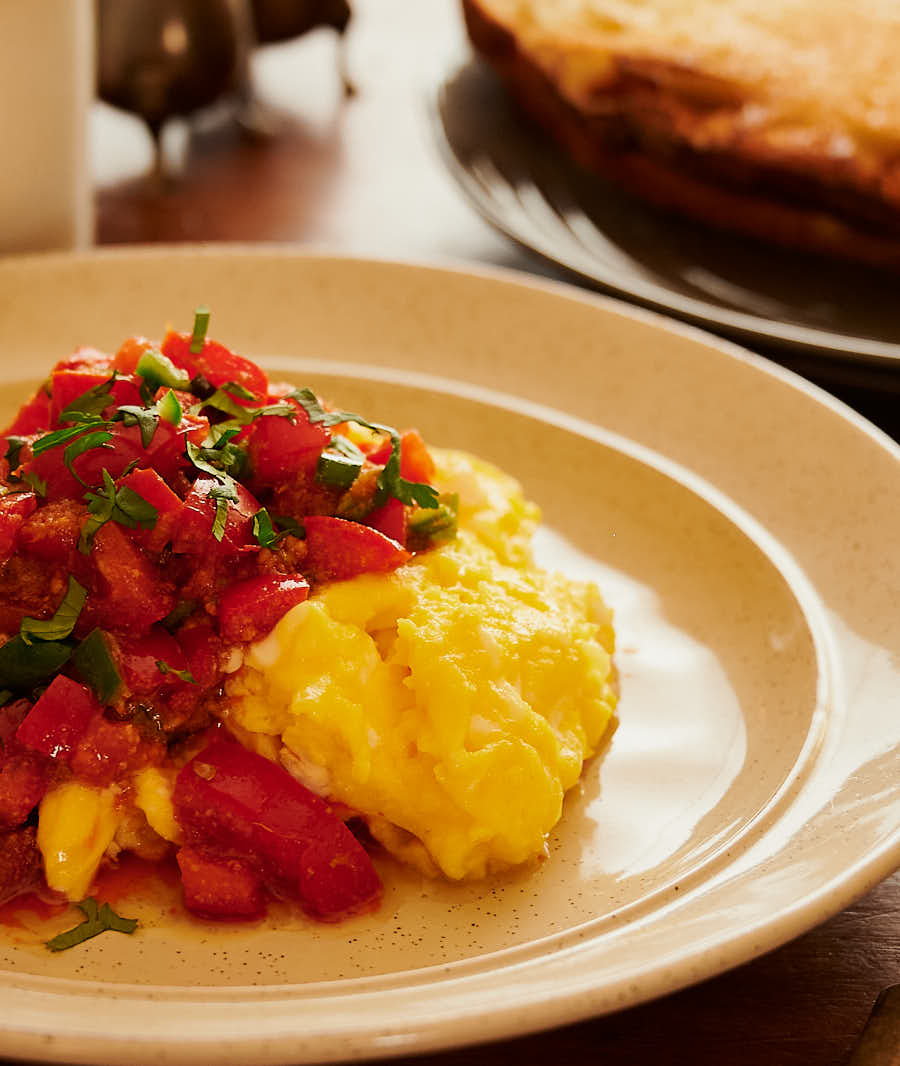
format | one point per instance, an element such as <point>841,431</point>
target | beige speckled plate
<point>744,527</point>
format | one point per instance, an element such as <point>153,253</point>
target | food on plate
<point>265,636</point>
<point>775,118</point>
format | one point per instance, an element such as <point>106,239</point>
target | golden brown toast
<point>774,118</point>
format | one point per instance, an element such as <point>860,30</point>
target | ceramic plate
<point>521,183</point>
<point>744,528</point>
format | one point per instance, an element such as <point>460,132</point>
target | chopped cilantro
<point>37,483</point>
<point>182,675</point>
<point>97,919</point>
<point>14,446</point>
<point>64,436</point>
<point>93,660</point>
<point>22,666</point>
<point>145,417</point>
<point>91,404</point>
<point>98,439</point>
<point>122,505</point>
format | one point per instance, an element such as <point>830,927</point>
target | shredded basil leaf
<point>64,618</point>
<point>63,436</point>
<point>221,519</point>
<point>223,400</point>
<point>97,919</point>
<point>201,325</point>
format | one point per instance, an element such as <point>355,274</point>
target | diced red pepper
<point>131,594</point>
<point>137,660</point>
<point>281,447</point>
<point>416,463</point>
<point>220,887</point>
<point>151,487</point>
<point>13,512</point>
<point>249,609</point>
<point>218,364</point>
<point>238,801</point>
<point>391,520</point>
<point>33,416</point>
<point>58,720</point>
<point>194,535</point>
<point>337,549</point>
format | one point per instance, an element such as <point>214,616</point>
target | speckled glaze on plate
<point>744,528</point>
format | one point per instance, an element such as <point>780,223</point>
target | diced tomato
<point>201,649</point>
<point>107,750</point>
<point>129,354</point>
<point>337,549</point>
<point>66,386</point>
<point>24,779</point>
<point>33,416</point>
<point>216,363</point>
<point>20,863</point>
<point>151,487</point>
<point>220,887</point>
<point>86,358</point>
<point>56,723</point>
<point>416,463</point>
<point>131,594</point>
<point>249,609</point>
<point>391,520</point>
<point>282,447</point>
<point>138,657</point>
<point>194,535</point>
<point>52,532</point>
<point>13,512</point>
<point>233,799</point>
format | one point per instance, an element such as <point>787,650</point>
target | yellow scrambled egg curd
<point>452,702</point>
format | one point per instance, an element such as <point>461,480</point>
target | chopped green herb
<point>14,446</point>
<point>263,530</point>
<point>182,675</point>
<point>390,481</point>
<point>93,659</point>
<point>122,505</point>
<point>63,436</point>
<point>145,417</point>
<point>288,526</point>
<point>22,666</point>
<point>338,470</point>
<point>91,404</point>
<point>223,400</point>
<point>97,919</point>
<point>221,519</point>
<point>169,408</point>
<point>98,439</point>
<point>181,611</point>
<point>237,389</point>
<point>63,621</point>
<point>37,483</point>
<point>157,369</point>
<point>201,325</point>
<point>436,524</point>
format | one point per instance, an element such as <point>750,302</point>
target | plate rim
<point>549,1008</point>
<point>743,326</point>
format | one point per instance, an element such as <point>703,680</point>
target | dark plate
<point>523,185</point>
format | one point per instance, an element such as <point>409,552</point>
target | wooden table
<point>363,175</point>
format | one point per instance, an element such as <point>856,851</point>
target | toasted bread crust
<point>699,145</point>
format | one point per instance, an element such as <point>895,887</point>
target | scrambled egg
<point>452,702</point>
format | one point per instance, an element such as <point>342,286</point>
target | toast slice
<point>778,119</point>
